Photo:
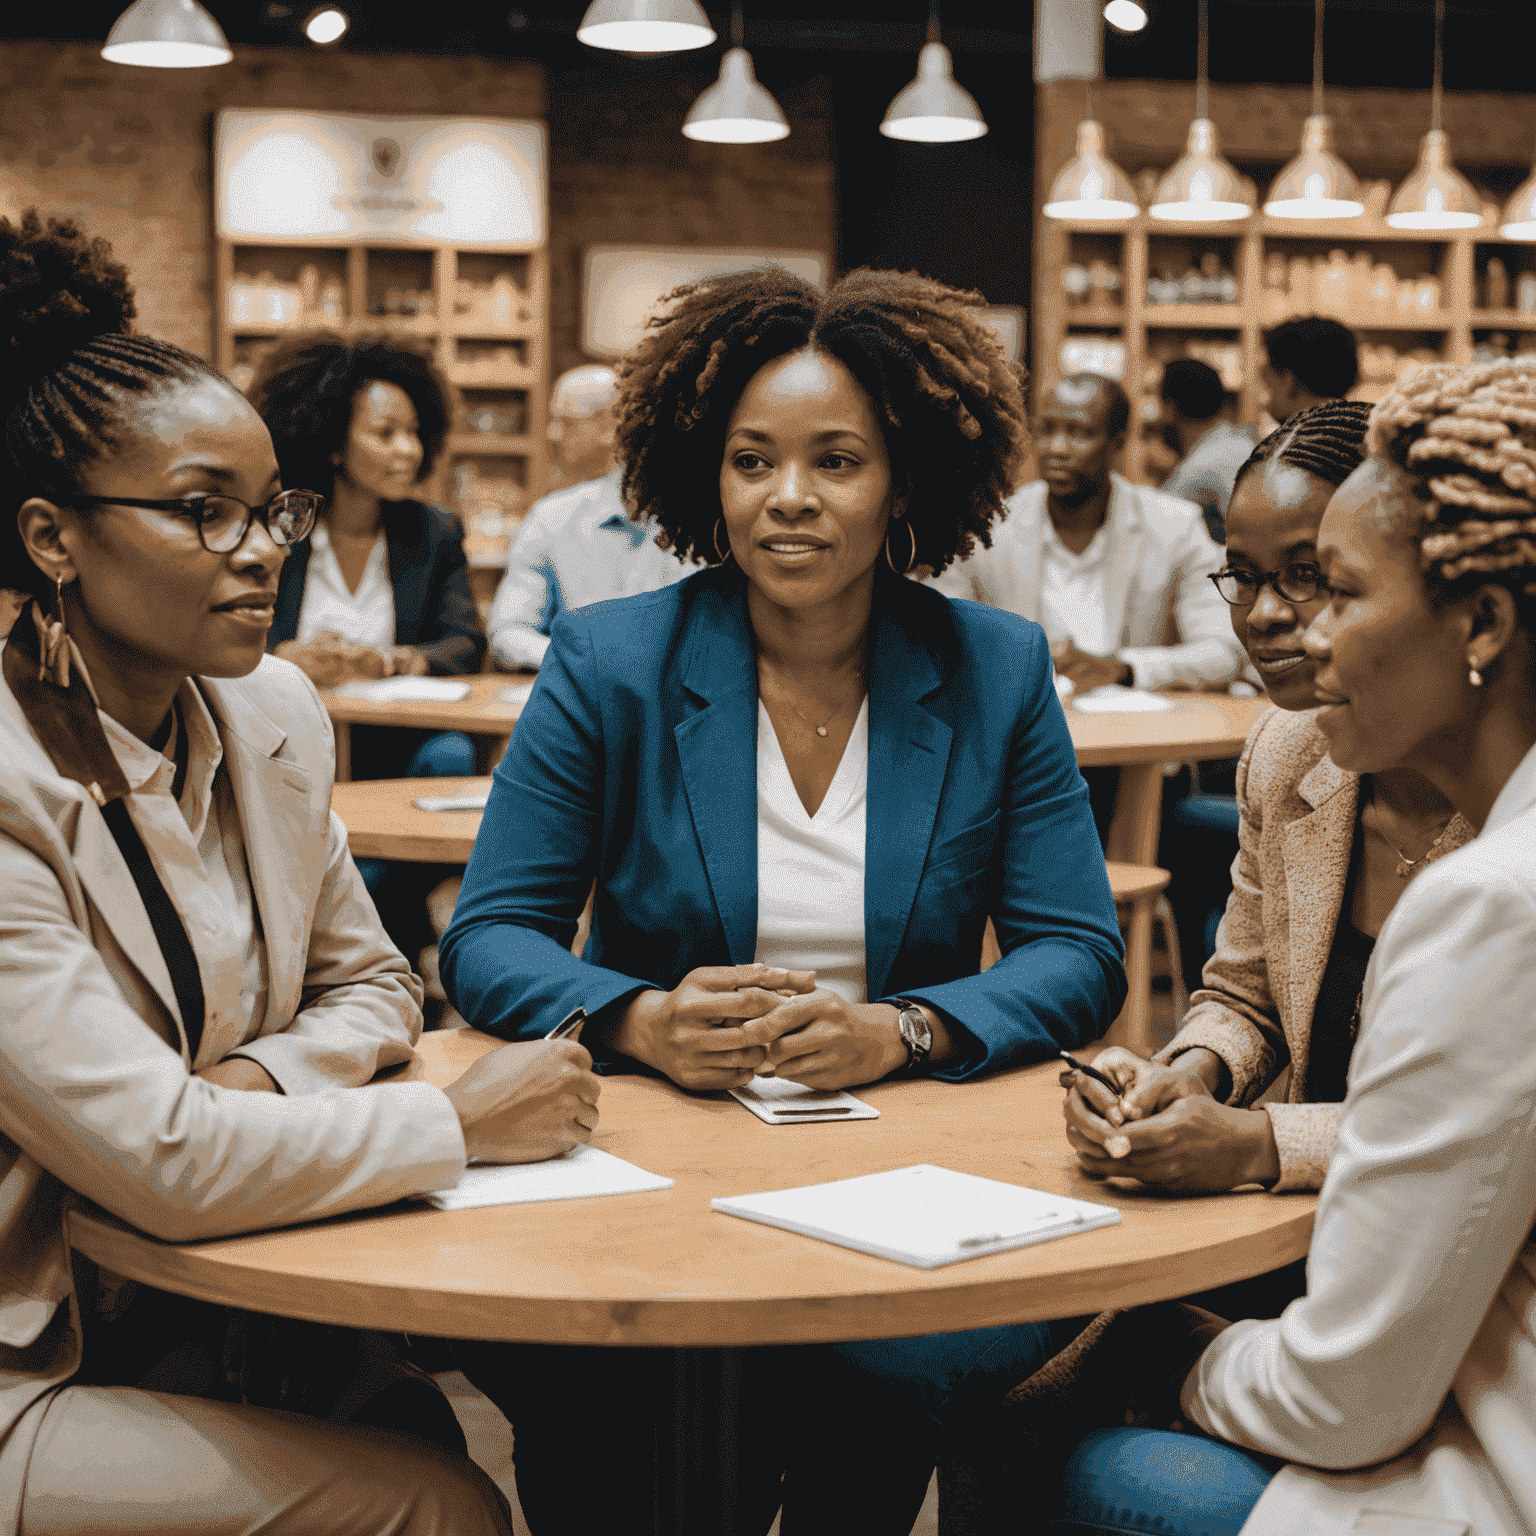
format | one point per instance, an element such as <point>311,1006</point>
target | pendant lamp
<point>934,108</point>
<point>166,34</point>
<point>1519,221</point>
<point>1091,186</point>
<point>1436,195</point>
<point>1203,187</point>
<point>1125,15</point>
<point>1316,184</point>
<point>645,26</point>
<point>736,109</point>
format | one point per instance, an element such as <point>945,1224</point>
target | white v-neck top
<point>810,869</point>
<point>365,617</point>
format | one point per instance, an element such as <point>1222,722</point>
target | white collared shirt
<point>1073,603</point>
<point>576,546</point>
<point>198,847</point>
<point>810,869</point>
<point>365,617</point>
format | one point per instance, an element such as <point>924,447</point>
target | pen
<point>1087,1071</point>
<point>568,1025</point>
<point>842,1109</point>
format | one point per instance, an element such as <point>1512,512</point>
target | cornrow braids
<point>1467,436</point>
<point>1326,440</point>
<point>950,405</point>
<point>71,367</point>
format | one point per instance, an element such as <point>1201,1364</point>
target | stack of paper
<point>408,690</point>
<point>581,1173</point>
<point>923,1216</point>
<point>1113,700</point>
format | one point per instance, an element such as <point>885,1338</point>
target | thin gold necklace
<point>821,730</point>
<point>1405,865</point>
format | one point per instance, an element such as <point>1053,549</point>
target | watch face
<point>915,1030</point>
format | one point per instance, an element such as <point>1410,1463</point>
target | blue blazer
<point>434,608</point>
<point>635,762</point>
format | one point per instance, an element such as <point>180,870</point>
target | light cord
<point>1434,109</point>
<point>738,31</point>
<point>1202,65</point>
<point>1317,61</point>
<point>933,21</point>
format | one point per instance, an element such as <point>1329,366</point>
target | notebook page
<point>776,1102</point>
<point>408,690</point>
<point>579,1175</point>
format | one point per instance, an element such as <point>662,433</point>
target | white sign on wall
<point>625,283</point>
<point>333,177</point>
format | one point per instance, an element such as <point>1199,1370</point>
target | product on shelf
<point>1496,285</point>
<point>1210,282</point>
<point>405,304</point>
<point>1354,288</point>
<point>511,419</point>
<point>1525,293</point>
<point>492,509</point>
<point>1093,354</point>
<point>497,305</point>
<point>486,368</point>
<point>1383,367</point>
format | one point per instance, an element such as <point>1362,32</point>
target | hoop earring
<point>721,558</point>
<point>911,558</point>
<point>53,662</point>
<point>1473,675</point>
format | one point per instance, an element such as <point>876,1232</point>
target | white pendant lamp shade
<point>1125,15</point>
<point>1519,221</point>
<point>1092,186</point>
<point>934,109</point>
<point>736,109</point>
<point>1202,187</point>
<point>646,26</point>
<point>1316,184</point>
<point>1436,195</point>
<point>167,34</point>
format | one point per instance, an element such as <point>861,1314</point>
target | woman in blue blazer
<point>801,785</point>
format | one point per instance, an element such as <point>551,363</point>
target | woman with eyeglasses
<point>195,982</point>
<point>1324,855</point>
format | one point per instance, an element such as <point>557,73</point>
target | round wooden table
<point>664,1269</point>
<point>483,711</point>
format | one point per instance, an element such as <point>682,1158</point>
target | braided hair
<point>69,366</point>
<point>1326,440</point>
<point>949,403</point>
<point>1467,436</point>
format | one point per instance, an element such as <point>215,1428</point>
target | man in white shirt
<point>1115,573</point>
<point>578,545</point>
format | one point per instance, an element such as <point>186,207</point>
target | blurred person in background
<point>1308,361</point>
<point>578,545</point>
<point>1213,448</point>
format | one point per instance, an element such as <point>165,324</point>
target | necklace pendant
<point>821,730</point>
<point>1404,868</point>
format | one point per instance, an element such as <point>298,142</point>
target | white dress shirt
<point>365,617</point>
<point>576,546</point>
<point>1408,1370</point>
<point>1072,601</point>
<point>1160,614</point>
<point>810,869</point>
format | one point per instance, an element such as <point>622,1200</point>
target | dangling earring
<point>53,660</point>
<point>1473,675</point>
<point>721,557</point>
<point>911,558</point>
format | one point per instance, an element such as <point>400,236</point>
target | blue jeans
<point>1150,1482</point>
<point>443,755</point>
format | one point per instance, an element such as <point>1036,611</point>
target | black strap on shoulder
<point>175,946</point>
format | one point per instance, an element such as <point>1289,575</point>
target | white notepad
<point>580,1174</point>
<point>1112,699</point>
<point>518,693</point>
<point>779,1103</point>
<point>923,1216</point>
<point>451,802</point>
<point>408,690</point>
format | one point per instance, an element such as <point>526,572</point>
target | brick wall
<point>130,151</point>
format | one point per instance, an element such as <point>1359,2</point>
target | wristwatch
<point>915,1033</point>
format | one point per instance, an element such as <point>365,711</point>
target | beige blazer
<point>1168,621</point>
<point>1254,1011</point>
<point>98,1093</point>
<point>1404,1381</point>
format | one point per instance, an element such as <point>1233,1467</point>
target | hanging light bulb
<point>1316,184</point>
<point>1092,186</point>
<point>166,34</point>
<point>1125,15</point>
<point>1203,187</point>
<point>646,26</point>
<point>934,108</point>
<point>326,26</point>
<point>736,109</point>
<point>1519,221</point>
<point>1436,195</point>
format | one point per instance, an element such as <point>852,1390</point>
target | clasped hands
<point>723,1024</point>
<point>1086,671</point>
<point>1166,1128</point>
<point>328,659</point>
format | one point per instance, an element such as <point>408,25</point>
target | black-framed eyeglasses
<point>222,522</point>
<point>1300,582</point>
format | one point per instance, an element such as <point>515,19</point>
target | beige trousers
<point>134,1463</point>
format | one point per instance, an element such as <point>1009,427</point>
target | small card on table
<point>779,1103</point>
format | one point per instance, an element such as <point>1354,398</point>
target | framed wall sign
<point>625,283</point>
<point>337,178</point>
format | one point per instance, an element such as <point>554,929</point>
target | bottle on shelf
<point>333,302</point>
<point>1525,293</point>
<point>1496,285</point>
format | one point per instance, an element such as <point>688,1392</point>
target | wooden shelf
<point>1504,319</point>
<point>1217,317</point>
<point>1102,317</point>
<point>374,325</point>
<point>503,376</point>
<point>471,443</point>
<point>463,330</point>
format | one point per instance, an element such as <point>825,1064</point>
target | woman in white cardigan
<point>1403,1384</point>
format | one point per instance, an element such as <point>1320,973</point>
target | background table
<point>482,712</point>
<point>664,1269</point>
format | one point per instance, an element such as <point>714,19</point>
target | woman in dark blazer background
<point>796,767</point>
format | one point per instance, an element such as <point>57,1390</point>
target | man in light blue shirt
<point>578,545</point>
<point>1214,448</point>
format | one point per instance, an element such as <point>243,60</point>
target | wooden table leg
<point>343,732</point>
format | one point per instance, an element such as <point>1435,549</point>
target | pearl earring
<point>1473,675</point>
